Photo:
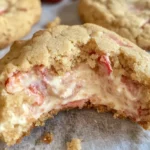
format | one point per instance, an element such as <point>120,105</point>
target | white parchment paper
<point>97,131</point>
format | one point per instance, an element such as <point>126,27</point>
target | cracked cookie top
<point>129,18</point>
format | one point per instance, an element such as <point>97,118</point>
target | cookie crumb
<point>47,138</point>
<point>75,144</point>
<point>53,23</point>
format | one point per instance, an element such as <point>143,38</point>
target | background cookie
<point>129,18</point>
<point>16,19</point>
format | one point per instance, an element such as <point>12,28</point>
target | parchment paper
<point>97,131</point>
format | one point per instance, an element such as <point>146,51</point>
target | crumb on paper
<point>75,144</point>
<point>47,138</point>
<point>53,23</point>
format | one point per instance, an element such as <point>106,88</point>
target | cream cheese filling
<point>73,89</point>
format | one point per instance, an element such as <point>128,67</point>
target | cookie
<point>129,18</point>
<point>66,67</point>
<point>17,18</point>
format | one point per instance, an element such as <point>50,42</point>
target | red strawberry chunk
<point>40,70</point>
<point>36,91</point>
<point>133,87</point>
<point>12,81</point>
<point>104,60</point>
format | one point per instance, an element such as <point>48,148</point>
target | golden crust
<point>54,47</point>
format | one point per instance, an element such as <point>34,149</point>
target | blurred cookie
<point>16,19</point>
<point>129,18</point>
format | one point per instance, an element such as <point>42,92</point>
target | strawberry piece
<point>118,41</point>
<point>36,91</point>
<point>43,72</point>
<point>133,87</point>
<point>104,60</point>
<point>40,70</point>
<point>12,81</point>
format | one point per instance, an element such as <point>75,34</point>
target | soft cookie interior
<point>94,81</point>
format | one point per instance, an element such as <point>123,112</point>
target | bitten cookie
<point>129,18</point>
<point>72,66</point>
<point>17,18</point>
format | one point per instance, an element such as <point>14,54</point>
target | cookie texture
<point>58,52</point>
<point>17,18</point>
<point>129,18</point>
